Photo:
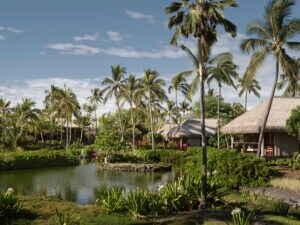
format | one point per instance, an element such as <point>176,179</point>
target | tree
<point>112,89</point>
<point>200,19</point>
<point>184,107</point>
<point>247,87</point>
<point>82,122</point>
<point>130,92</point>
<point>293,123</point>
<point>152,86</point>
<point>171,111</point>
<point>4,110</point>
<point>222,70</point>
<point>179,83</point>
<point>69,106</point>
<point>95,99</point>
<point>291,79</point>
<point>273,35</point>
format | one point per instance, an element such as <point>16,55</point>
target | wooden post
<point>180,143</point>
<point>262,147</point>
<point>231,141</point>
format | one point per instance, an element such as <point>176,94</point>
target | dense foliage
<point>293,123</point>
<point>231,168</point>
<point>36,159</point>
<point>293,162</point>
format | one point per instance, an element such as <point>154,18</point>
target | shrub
<point>112,200</point>
<point>281,207</point>
<point>64,218</point>
<point>36,159</point>
<point>231,168</point>
<point>10,206</point>
<point>108,142</point>
<point>166,156</point>
<point>240,218</point>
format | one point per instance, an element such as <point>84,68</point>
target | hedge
<point>36,159</point>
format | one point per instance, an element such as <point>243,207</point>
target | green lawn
<point>39,210</point>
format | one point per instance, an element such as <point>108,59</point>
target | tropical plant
<point>112,89</point>
<point>293,123</point>
<point>171,112</point>
<point>64,217</point>
<point>130,92</point>
<point>280,207</point>
<point>274,35</point>
<point>291,79</point>
<point>4,110</point>
<point>10,206</point>
<point>152,86</point>
<point>247,87</point>
<point>95,99</point>
<point>112,200</point>
<point>240,218</point>
<point>82,122</point>
<point>221,69</point>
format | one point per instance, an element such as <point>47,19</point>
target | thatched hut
<point>189,132</point>
<point>276,141</point>
<point>165,129</point>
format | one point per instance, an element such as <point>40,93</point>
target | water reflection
<point>78,183</point>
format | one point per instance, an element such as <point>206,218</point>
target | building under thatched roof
<point>189,132</point>
<point>276,141</point>
<point>165,129</point>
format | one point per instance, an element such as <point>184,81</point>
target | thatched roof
<point>164,130</point>
<point>192,128</point>
<point>250,121</point>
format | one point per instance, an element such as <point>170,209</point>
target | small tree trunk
<point>61,129</point>
<point>219,100</point>
<point>151,123</point>
<point>120,122</point>
<point>81,134</point>
<point>133,127</point>
<point>246,96</point>
<point>264,122</point>
<point>96,121</point>
<point>42,138</point>
<point>67,133</point>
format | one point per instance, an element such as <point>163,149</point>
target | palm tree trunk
<point>96,121</point>
<point>61,129</point>
<point>246,96</point>
<point>219,100</point>
<point>264,123</point>
<point>67,133</point>
<point>70,135</point>
<point>120,122</point>
<point>81,134</point>
<point>151,123</point>
<point>42,138</point>
<point>133,127</point>
<point>201,46</point>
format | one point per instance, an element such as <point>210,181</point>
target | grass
<point>39,210</point>
<point>287,183</point>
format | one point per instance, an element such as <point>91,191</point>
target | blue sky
<point>76,41</point>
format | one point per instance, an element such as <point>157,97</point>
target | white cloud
<point>139,15</point>
<point>2,37</point>
<point>87,37</point>
<point>35,89</point>
<point>13,30</point>
<point>42,53</point>
<point>115,36</point>
<point>73,49</point>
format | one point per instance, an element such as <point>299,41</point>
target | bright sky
<point>74,42</point>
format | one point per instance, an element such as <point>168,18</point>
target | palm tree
<point>221,69</point>
<point>82,122</point>
<point>179,83</point>
<point>184,107</point>
<point>112,89</point>
<point>291,79</point>
<point>130,93</point>
<point>95,99</point>
<point>273,35</point>
<point>51,97</point>
<point>200,19</point>
<point>152,86</point>
<point>69,106</point>
<point>171,111</point>
<point>4,109</point>
<point>247,87</point>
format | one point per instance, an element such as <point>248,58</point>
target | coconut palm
<point>274,35</point>
<point>184,107</point>
<point>4,109</point>
<point>112,89</point>
<point>200,19</point>
<point>291,79</point>
<point>50,98</point>
<point>69,106</point>
<point>247,87</point>
<point>171,111</point>
<point>82,122</point>
<point>179,83</point>
<point>130,93</point>
<point>221,69</point>
<point>95,99</point>
<point>152,86</point>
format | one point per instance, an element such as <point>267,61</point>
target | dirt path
<point>289,197</point>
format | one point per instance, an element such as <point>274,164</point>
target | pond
<point>79,183</point>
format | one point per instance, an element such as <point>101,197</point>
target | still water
<point>79,183</point>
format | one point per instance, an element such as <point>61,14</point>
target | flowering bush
<point>240,218</point>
